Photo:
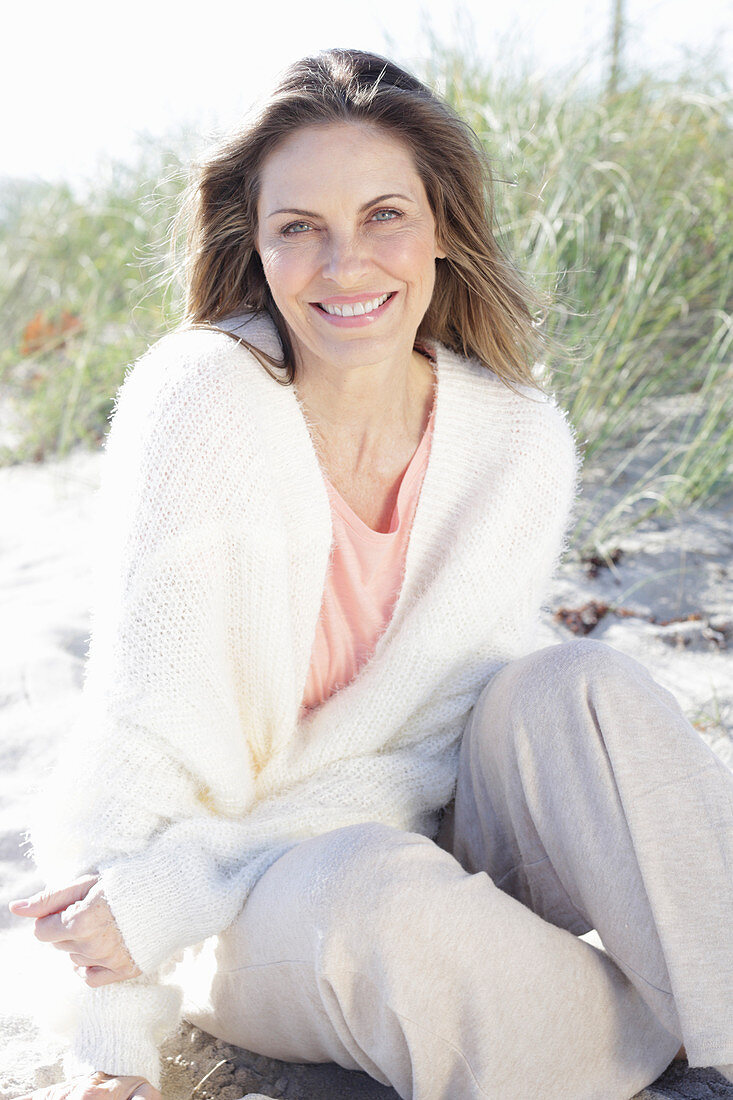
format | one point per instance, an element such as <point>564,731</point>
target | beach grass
<point>616,205</point>
<point>82,294</point>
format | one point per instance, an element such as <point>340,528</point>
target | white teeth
<point>357,309</point>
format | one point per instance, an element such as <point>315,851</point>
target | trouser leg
<point>585,793</point>
<point>375,949</point>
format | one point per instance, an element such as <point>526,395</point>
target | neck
<point>366,404</point>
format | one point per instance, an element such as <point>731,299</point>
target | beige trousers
<point>453,970</point>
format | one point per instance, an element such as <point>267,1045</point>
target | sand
<point>670,600</point>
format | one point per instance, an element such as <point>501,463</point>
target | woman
<point>331,505</point>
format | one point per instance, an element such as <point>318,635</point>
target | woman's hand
<point>97,1086</point>
<point>78,919</point>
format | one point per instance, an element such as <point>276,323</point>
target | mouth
<point>354,309</point>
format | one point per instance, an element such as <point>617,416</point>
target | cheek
<point>285,272</point>
<point>284,290</point>
<point>414,258</point>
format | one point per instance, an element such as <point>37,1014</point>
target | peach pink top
<point>362,584</point>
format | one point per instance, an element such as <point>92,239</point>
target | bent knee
<point>582,660</point>
<point>558,670</point>
<point>535,695</point>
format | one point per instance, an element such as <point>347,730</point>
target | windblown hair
<point>480,306</point>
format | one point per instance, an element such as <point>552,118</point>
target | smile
<point>354,309</point>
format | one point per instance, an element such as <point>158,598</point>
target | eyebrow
<point>311,214</point>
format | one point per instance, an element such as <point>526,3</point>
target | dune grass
<point>617,205</point>
<point>81,296</point>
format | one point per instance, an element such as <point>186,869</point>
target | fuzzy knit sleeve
<point>130,768</point>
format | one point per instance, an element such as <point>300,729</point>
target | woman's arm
<point>83,816</point>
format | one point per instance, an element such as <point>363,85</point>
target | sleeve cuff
<point>119,1028</point>
<point>152,901</point>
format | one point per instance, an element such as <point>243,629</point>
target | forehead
<point>325,160</point>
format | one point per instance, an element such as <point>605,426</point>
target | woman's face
<point>347,242</point>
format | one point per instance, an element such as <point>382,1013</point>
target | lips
<point>360,308</point>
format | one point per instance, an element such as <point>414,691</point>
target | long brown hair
<point>480,306</point>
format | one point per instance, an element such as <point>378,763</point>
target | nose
<point>346,259</point>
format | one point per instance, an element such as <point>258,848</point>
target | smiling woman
<point>314,726</point>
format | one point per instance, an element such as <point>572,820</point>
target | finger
<point>89,919</point>
<point>93,953</point>
<point>69,945</point>
<point>52,901</point>
<point>144,1091</point>
<point>96,976</point>
<point>70,927</point>
<point>127,1088</point>
<point>51,929</point>
<point>85,960</point>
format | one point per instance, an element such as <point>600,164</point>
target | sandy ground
<point>668,601</point>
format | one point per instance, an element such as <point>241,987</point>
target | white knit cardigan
<point>190,769</point>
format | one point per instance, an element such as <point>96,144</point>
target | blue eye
<point>390,215</point>
<point>295,227</point>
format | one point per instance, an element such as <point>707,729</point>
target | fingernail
<point>18,905</point>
